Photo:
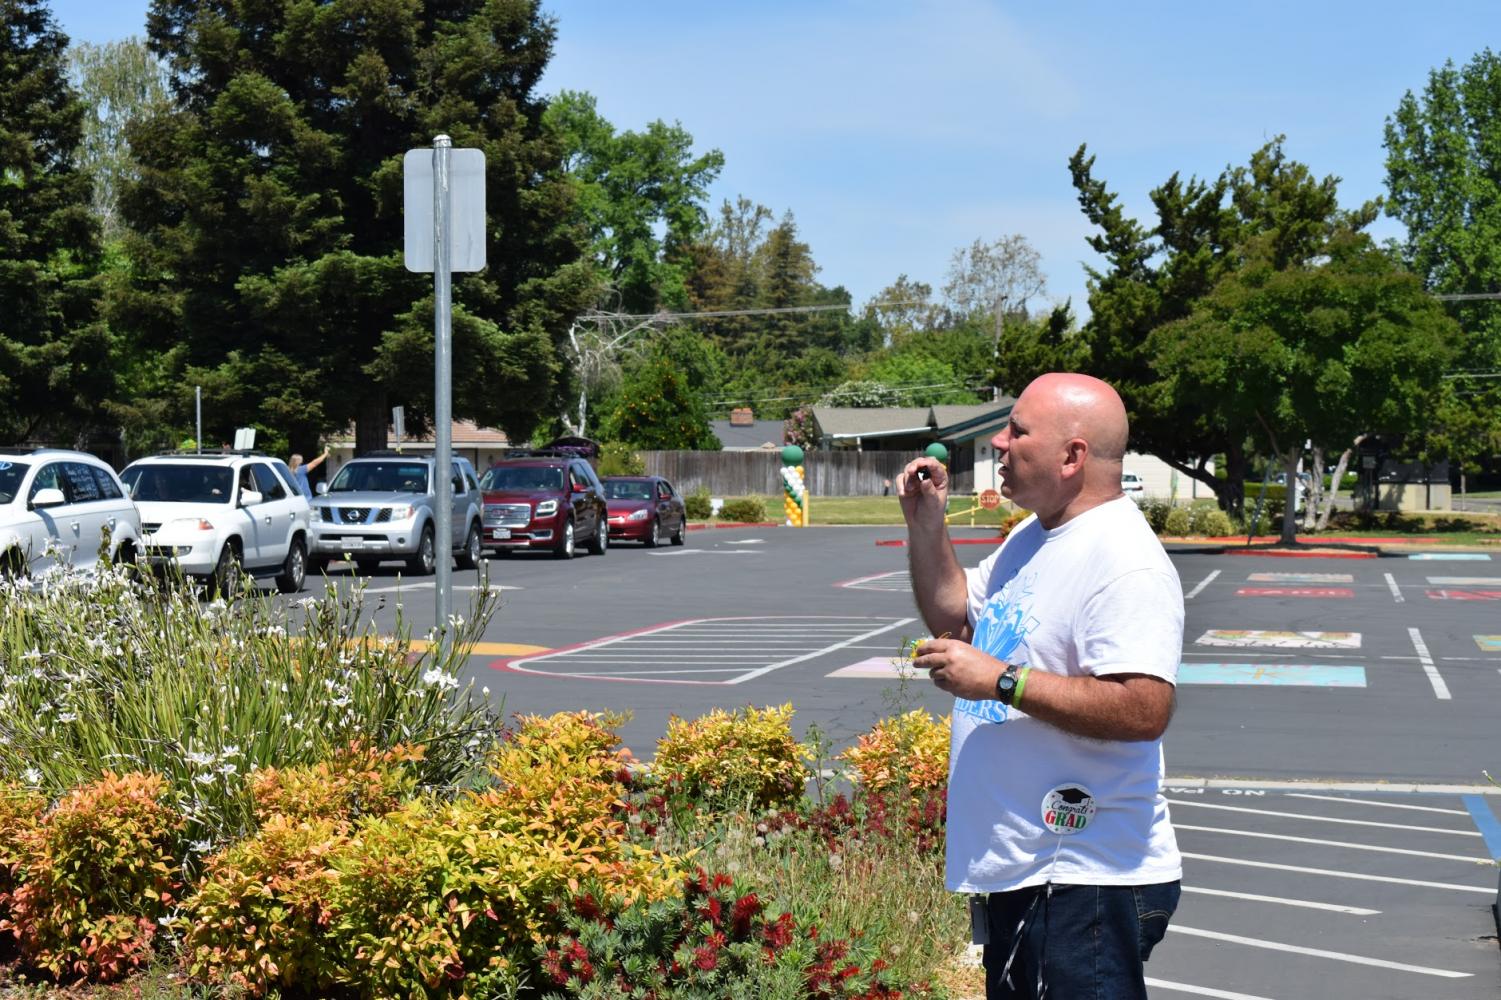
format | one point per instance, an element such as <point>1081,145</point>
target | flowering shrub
<point>95,873</point>
<point>355,781</point>
<point>910,750</point>
<point>19,808</point>
<point>713,938</point>
<point>749,510</point>
<point>799,428</point>
<point>726,759</point>
<point>261,914</point>
<point>1012,519</point>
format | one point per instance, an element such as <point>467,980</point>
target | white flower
<point>485,691</point>
<point>205,779</point>
<point>32,654</point>
<point>201,846</point>
<point>31,776</point>
<point>201,759</point>
<point>67,717</point>
<point>227,768</point>
<point>440,680</point>
<point>836,862</point>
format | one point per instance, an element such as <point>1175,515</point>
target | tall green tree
<point>1324,352</point>
<point>266,222</point>
<point>641,196</point>
<point>1443,174</point>
<point>117,81</point>
<point>661,401</point>
<point>1204,231</point>
<point>55,353</point>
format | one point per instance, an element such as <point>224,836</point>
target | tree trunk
<point>1290,501</point>
<point>1315,489</point>
<point>372,424</point>
<point>1233,498</point>
<point>1339,475</point>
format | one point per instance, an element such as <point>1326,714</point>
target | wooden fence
<point>737,473</point>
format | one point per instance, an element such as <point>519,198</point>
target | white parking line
<point>1332,873</point>
<point>1359,911</point>
<point>1347,845</point>
<point>1391,583</point>
<point>1202,584</point>
<point>819,652</point>
<point>1200,991</point>
<point>1325,819</point>
<point>1338,956</point>
<point>1440,689</point>
<point>1378,802</point>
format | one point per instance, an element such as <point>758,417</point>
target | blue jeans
<point>1087,941</point>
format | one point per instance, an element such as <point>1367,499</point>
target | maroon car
<point>645,509</point>
<point>551,502</point>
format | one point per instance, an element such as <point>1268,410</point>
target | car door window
<point>267,483</point>
<point>458,479</point>
<point>247,482</point>
<point>107,488</point>
<point>79,483</point>
<point>48,477</point>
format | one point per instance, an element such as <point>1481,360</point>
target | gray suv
<point>381,506</point>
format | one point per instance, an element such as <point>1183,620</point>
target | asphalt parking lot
<point>1325,761</point>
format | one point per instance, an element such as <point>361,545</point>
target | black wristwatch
<point>1005,685</point>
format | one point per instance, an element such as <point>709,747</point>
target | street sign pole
<point>443,386</point>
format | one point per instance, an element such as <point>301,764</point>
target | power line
<point>728,313</point>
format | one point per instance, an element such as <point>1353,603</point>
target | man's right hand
<point>923,490</point>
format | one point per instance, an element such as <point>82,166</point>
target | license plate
<point>351,543</point>
<point>500,532</point>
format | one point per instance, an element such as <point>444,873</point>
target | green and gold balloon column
<point>794,487</point>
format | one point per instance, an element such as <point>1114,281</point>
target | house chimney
<point>742,417</point>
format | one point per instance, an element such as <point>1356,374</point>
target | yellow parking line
<point>487,648</point>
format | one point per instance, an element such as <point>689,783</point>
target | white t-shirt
<point>1096,595</point>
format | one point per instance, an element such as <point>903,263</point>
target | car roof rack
<point>209,453</point>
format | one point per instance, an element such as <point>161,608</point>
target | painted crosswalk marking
<point>1272,674</point>
<point>897,581</point>
<point>1447,594</point>
<point>1489,643</point>
<point>1465,581</point>
<point>1301,578</point>
<point>1451,556</point>
<point>1295,592</point>
<point>1276,639</point>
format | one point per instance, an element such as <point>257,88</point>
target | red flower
<point>745,909</point>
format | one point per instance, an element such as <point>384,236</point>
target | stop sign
<point>990,499</point>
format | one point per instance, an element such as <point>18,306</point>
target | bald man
<point>1061,650</point>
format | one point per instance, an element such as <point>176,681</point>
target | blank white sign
<point>466,184</point>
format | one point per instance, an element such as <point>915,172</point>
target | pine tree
<point>267,220</point>
<point>54,353</point>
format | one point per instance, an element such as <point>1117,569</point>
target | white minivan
<point>57,507</point>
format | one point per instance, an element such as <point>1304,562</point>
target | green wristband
<point>1021,685</point>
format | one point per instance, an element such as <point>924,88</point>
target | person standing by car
<point>301,471</point>
<point>1061,650</point>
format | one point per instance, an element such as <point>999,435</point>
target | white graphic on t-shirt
<point>1001,631</point>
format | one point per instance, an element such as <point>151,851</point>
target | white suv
<point>63,505</point>
<point>218,516</point>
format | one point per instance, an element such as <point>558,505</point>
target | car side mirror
<point>579,488</point>
<point>321,489</point>
<point>51,497</point>
<point>249,498</point>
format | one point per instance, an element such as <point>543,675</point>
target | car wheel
<point>127,559</point>
<point>677,536</point>
<point>12,565</point>
<point>653,535</point>
<point>227,580</point>
<point>565,543</point>
<point>469,557</point>
<point>601,540</point>
<point>294,569</point>
<point>425,560</point>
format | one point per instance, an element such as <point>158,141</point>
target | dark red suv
<point>552,502</point>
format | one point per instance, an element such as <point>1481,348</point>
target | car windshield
<point>11,474</point>
<point>627,490</point>
<point>179,483</point>
<point>523,477</point>
<point>380,477</point>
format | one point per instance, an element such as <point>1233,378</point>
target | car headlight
<point>547,508</point>
<point>189,524</point>
<point>401,513</point>
<point>639,515</point>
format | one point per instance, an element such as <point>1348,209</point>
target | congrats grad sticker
<point>1067,809</point>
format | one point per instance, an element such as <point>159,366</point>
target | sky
<point>898,132</point>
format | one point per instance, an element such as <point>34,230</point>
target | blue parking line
<point>1485,822</point>
<point>1277,674</point>
<point>1452,556</point>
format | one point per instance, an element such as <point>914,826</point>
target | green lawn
<point>879,510</point>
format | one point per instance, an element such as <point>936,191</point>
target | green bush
<point>1212,522</point>
<point>1177,522</point>
<point>1156,511</point>
<point>616,458</point>
<point>743,509</point>
<point>697,504</point>
<point>725,759</point>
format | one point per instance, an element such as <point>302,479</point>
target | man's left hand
<point>959,668</point>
